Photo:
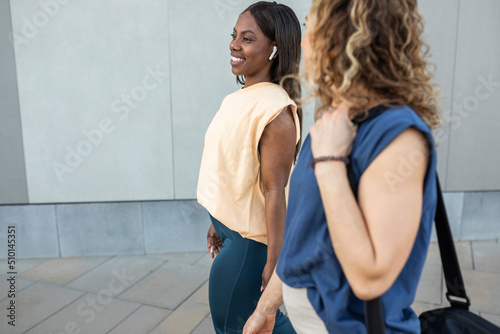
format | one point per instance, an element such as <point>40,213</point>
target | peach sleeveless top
<point>229,184</point>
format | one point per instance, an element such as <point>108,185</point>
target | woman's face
<point>250,50</point>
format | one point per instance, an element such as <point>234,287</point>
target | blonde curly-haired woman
<point>347,241</point>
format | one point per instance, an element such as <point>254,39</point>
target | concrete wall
<point>115,96</point>
<point>95,229</point>
<point>104,106</point>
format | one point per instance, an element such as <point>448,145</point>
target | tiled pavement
<point>167,293</point>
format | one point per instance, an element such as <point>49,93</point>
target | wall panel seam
<point>57,231</point>
<point>450,133</point>
<point>143,229</point>
<point>171,102</point>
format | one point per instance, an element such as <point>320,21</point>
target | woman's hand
<point>213,241</point>
<point>333,134</point>
<point>260,323</point>
<point>263,318</point>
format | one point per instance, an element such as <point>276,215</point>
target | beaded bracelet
<point>329,158</point>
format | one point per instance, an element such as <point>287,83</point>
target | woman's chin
<point>236,72</point>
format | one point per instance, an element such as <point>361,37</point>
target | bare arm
<point>277,149</point>
<point>263,319</point>
<point>372,239</point>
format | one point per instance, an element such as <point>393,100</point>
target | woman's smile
<point>237,60</point>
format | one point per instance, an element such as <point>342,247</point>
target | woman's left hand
<point>333,134</point>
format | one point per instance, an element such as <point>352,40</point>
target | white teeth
<point>237,59</point>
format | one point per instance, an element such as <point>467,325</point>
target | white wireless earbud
<point>275,49</point>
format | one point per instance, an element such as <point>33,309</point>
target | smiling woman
<point>250,147</point>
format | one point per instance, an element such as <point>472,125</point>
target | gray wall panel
<point>440,33</point>
<point>13,184</point>
<point>474,147</point>
<point>202,77</point>
<point>481,216</point>
<point>36,230</point>
<point>100,70</point>
<point>175,226</point>
<point>454,203</point>
<point>100,229</point>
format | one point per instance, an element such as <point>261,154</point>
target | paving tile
<point>168,286</point>
<point>189,257</point>
<point>21,284</point>
<point>201,295</point>
<point>142,321</point>
<point>36,303</point>
<point>433,256</point>
<point>420,307</point>
<point>493,318</point>
<point>464,254</point>
<point>430,285</point>
<point>483,290</point>
<point>62,270</point>
<point>205,261</point>
<point>181,284</point>
<point>204,327</point>
<point>116,275</point>
<point>486,256</point>
<point>90,314</point>
<point>184,319</point>
<point>23,265</point>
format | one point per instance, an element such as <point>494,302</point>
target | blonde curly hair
<point>370,52</point>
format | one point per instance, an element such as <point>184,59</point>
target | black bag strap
<point>455,286</point>
<point>374,315</point>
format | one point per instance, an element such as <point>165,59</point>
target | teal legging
<point>235,281</point>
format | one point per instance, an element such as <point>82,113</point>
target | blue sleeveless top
<point>307,258</point>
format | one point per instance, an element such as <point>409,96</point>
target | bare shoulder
<point>401,165</point>
<point>282,125</point>
<point>411,138</point>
